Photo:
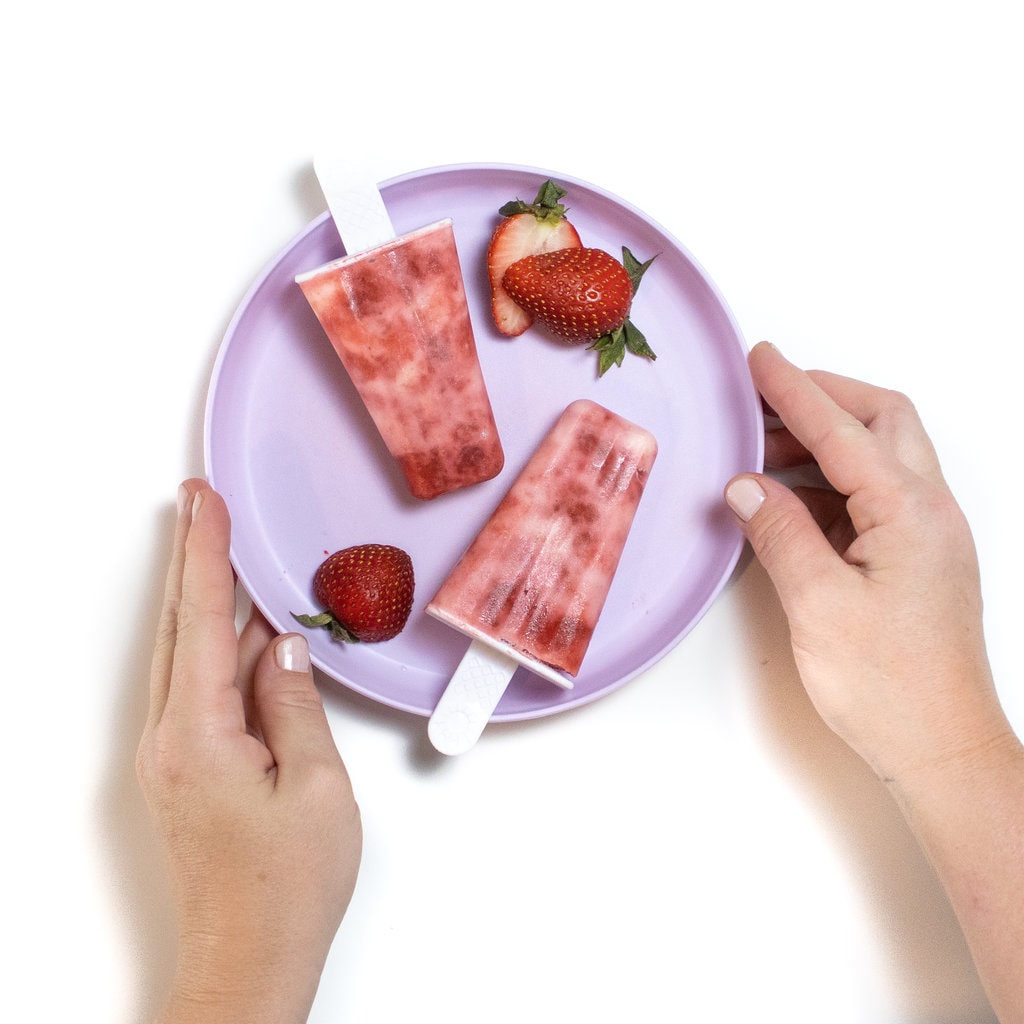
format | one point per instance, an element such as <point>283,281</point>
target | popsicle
<point>396,314</point>
<point>532,584</point>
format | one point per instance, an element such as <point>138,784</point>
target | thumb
<point>289,707</point>
<point>783,534</point>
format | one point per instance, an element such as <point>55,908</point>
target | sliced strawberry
<point>583,295</point>
<point>525,230</point>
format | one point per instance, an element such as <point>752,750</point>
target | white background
<point>696,846</point>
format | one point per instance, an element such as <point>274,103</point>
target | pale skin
<point>253,804</point>
<point>878,577</point>
<point>879,581</point>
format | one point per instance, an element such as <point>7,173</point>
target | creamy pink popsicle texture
<point>398,319</point>
<point>537,575</point>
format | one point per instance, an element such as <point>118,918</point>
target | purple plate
<point>292,449</point>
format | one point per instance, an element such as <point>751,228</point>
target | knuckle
<point>298,694</point>
<point>774,533</point>
<point>163,764</point>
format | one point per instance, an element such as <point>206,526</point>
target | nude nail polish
<point>745,496</point>
<point>292,654</point>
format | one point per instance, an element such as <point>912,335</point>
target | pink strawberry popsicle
<point>397,317</point>
<point>535,579</point>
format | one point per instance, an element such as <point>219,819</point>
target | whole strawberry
<point>525,229</point>
<point>583,295</point>
<point>366,592</point>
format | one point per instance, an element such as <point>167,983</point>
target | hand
<point>879,580</point>
<point>878,577</point>
<point>247,789</point>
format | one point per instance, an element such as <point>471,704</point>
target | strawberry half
<point>527,229</point>
<point>583,295</point>
<point>367,592</point>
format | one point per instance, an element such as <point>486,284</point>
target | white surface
<point>695,846</point>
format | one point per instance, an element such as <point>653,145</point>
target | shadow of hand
<point>930,963</point>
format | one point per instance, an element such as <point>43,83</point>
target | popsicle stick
<point>356,205</point>
<point>470,698</point>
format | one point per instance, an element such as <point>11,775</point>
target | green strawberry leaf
<point>547,205</point>
<point>608,358</point>
<point>325,620</point>
<point>635,268</point>
<point>611,348</point>
<point>636,342</point>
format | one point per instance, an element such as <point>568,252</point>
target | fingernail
<point>768,346</point>
<point>745,496</point>
<point>292,654</point>
<point>182,498</point>
<point>197,503</point>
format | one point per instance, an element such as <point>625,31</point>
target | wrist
<point>239,985</point>
<point>187,1004</point>
<point>928,720</point>
<point>965,811</point>
<point>963,756</point>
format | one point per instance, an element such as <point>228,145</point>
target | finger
<point>889,415</point>
<point>829,511</point>
<point>849,455</point>
<point>257,635</point>
<point>206,649</point>
<point>291,712</point>
<point>167,627</point>
<point>784,536</point>
<point>783,451</point>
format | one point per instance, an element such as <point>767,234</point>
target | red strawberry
<point>583,295</point>
<point>527,229</point>
<point>367,591</point>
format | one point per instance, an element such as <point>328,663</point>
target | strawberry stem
<point>325,620</point>
<point>547,206</point>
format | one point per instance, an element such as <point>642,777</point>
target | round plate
<point>292,449</point>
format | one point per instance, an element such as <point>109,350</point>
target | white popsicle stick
<point>470,698</point>
<point>355,204</point>
<point>475,688</point>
